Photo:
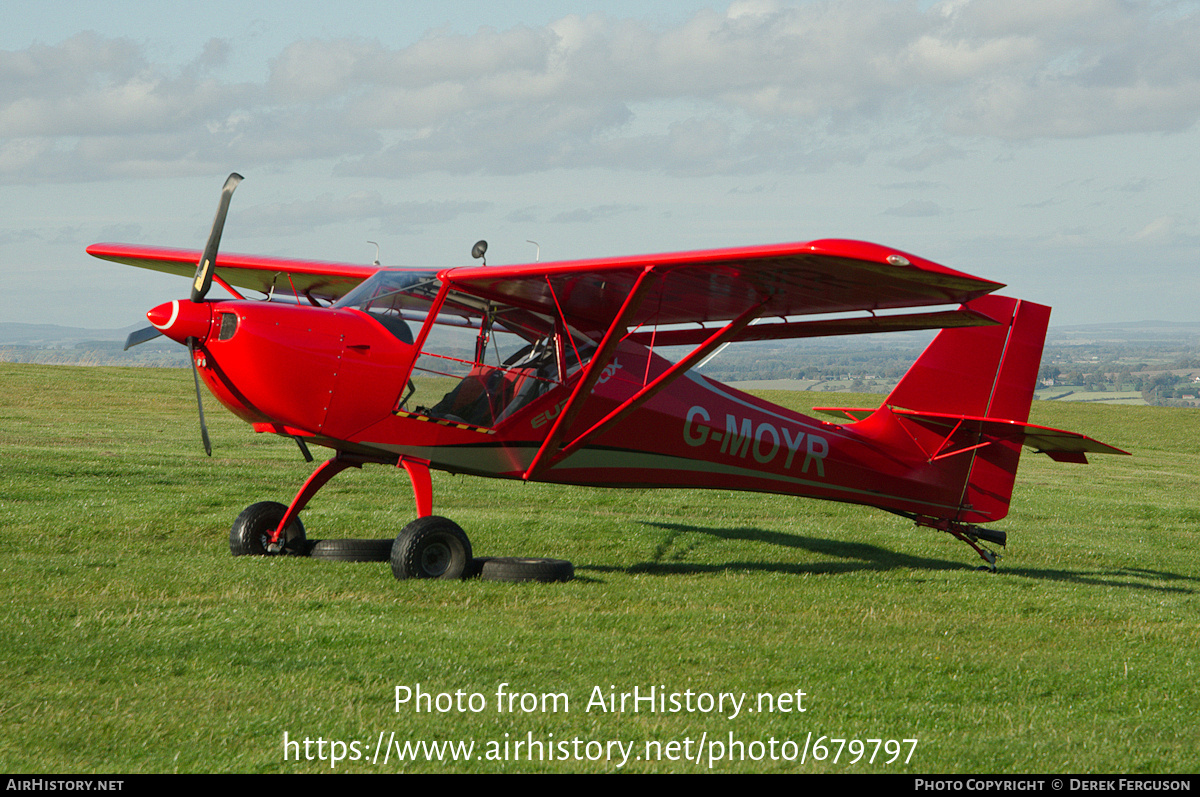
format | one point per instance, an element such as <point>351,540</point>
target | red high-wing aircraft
<point>549,372</point>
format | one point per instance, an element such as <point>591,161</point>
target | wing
<point>733,287</point>
<point>828,276</point>
<point>314,279</point>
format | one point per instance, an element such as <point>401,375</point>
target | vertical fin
<point>981,372</point>
<point>987,372</point>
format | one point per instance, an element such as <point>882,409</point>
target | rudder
<point>979,373</point>
<point>987,372</point>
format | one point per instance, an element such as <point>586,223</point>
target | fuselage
<point>337,377</point>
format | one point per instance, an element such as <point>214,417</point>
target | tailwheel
<point>431,547</point>
<point>971,535</point>
<point>252,531</point>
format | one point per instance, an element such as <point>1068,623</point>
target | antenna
<point>538,256</point>
<point>376,263</point>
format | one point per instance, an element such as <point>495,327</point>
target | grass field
<point>133,642</point>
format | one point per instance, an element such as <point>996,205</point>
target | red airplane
<point>550,372</point>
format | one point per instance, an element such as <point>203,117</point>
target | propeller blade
<point>204,269</point>
<point>191,344</point>
<point>140,336</point>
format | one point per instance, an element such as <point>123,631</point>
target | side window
<point>482,362</point>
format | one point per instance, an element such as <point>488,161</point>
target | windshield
<point>393,290</point>
<point>481,361</point>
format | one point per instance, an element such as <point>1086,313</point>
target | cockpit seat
<point>396,325</point>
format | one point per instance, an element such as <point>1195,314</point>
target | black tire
<point>519,569</point>
<point>351,550</point>
<point>431,547</point>
<point>248,537</point>
<point>474,568</point>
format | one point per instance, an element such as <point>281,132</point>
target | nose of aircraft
<point>182,320</point>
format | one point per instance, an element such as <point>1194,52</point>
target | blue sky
<point>1052,145</point>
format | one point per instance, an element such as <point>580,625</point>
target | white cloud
<point>763,87</point>
<point>90,86</point>
<point>1157,230</point>
<point>283,218</point>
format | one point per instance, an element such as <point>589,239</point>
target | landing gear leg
<point>430,546</point>
<point>422,484</point>
<point>972,535</point>
<point>262,532</point>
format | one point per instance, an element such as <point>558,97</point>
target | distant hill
<point>50,344</point>
<point>54,335</point>
<point>863,363</point>
<point>1127,332</point>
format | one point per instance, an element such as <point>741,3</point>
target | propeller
<point>204,270</point>
<point>141,336</point>
<point>207,265</point>
<point>189,323</point>
<point>202,282</point>
<point>191,344</point>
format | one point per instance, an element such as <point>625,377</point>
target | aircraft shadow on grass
<point>854,556</point>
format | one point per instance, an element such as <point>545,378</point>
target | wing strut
<point>217,279</point>
<point>608,348</point>
<point>719,338</point>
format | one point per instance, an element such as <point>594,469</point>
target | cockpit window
<point>393,290</point>
<point>398,299</point>
<point>483,361</point>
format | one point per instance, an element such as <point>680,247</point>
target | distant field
<point>1128,397</point>
<point>133,642</point>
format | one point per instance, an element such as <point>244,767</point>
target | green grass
<point>132,641</point>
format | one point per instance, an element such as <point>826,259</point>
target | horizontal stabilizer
<point>854,414</point>
<point>1043,439</point>
<point>1058,444</point>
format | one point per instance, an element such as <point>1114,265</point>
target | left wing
<point>313,279</point>
<point>829,276</point>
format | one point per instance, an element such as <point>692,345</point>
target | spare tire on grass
<point>351,550</point>
<point>514,568</point>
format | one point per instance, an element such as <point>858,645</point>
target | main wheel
<point>431,547</point>
<point>250,531</point>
